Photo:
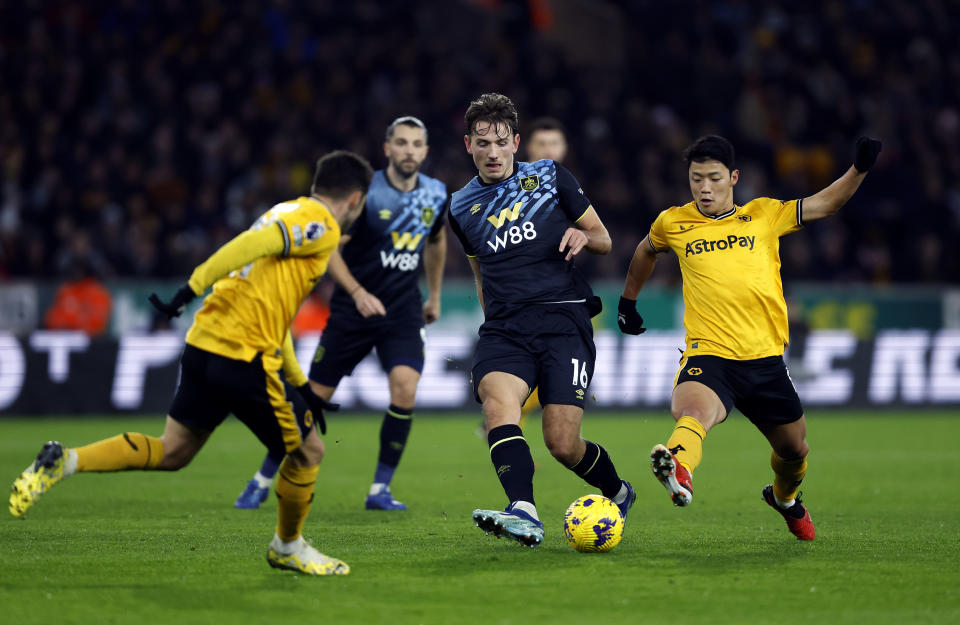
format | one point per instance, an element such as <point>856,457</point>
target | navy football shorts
<point>347,340</point>
<point>548,346</point>
<point>213,386</point>
<point>761,389</point>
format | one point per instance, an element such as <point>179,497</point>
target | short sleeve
<point>787,217</point>
<point>573,202</point>
<point>467,248</point>
<point>311,230</point>
<point>658,238</point>
<point>441,218</point>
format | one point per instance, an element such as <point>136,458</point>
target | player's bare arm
<point>641,266</point>
<point>434,258</point>
<point>589,233</point>
<point>828,201</point>
<point>477,278</point>
<point>367,303</point>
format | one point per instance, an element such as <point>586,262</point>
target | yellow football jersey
<point>250,309</point>
<point>732,293</point>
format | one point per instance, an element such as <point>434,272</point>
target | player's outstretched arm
<point>641,266</point>
<point>829,200</point>
<point>244,248</point>
<point>367,303</point>
<point>434,259</point>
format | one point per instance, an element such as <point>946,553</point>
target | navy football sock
<point>511,458</point>
<point>270,465</point>
<point>597,469</point>
<point>393,439</point>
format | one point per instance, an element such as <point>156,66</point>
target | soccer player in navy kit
<point>377,303</point>
<point>520,225</point>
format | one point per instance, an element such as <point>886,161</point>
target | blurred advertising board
<point>65,372</point>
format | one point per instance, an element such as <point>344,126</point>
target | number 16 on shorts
<point>580,376</point>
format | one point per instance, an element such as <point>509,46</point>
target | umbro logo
<point>675,450</point>
<point>475,209</point>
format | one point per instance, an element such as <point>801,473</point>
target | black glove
<point>628,318</point>
<point>174,308</point>
<point>317,405</point>
<point>866,154</point>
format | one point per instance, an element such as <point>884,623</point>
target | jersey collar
<point>394,187</point>
<point>716,217</point>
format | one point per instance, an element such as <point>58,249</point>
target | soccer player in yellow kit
<point>735,318</point>
<point>235,350</point>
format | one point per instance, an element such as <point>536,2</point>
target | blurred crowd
<point>138,135</point>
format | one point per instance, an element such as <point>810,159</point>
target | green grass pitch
<point>144,548</point>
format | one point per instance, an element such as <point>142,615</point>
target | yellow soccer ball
<point>593,523</point>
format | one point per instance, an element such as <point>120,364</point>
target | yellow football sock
<point>130,450</point>
<point>686,442</point>
<point>788,476</point>
<point>294,494</point>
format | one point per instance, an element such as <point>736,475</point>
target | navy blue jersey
<point>385,250</point>
<point>513,228</point>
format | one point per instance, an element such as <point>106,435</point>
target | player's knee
<point>792,450</point>
<point>565,449</point>
<point>687,411</point>
<point>403,396</point>
<point>175,458</point>
<point>310,453</point>
<point>499,412</point>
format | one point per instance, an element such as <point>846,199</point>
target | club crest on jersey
<point>385,214</point>
<point>427,215</point>
<point>530,183</point>
<point>744,218</point>
<point>315,230</point>
<point>694,371</point>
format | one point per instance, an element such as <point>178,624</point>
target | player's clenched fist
<point>866,153</point>
<point>628,318</point>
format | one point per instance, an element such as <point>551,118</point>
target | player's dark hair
<point>340,173</point>
<point>545,123</point>
<point>406,120</point>
<point>711,148</point>
<point>494,108</point>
